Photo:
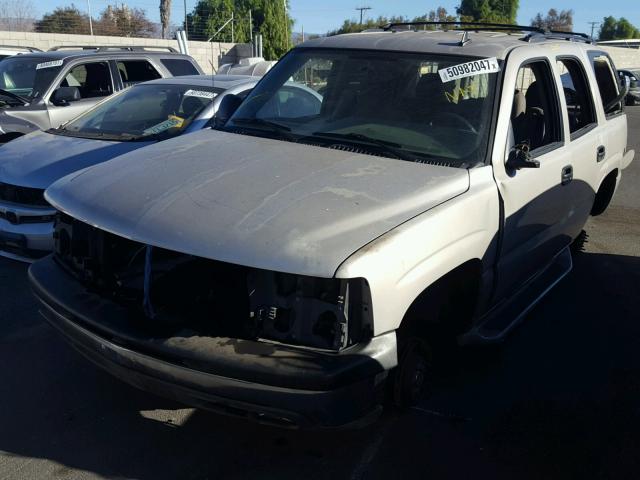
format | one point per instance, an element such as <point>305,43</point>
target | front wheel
<point>414,375</point>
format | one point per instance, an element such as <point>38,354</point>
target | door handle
<point>601,153</point>
<point>567,175</point>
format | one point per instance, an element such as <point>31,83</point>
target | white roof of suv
<point>477,43</point>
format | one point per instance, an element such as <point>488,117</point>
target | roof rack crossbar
<point>468,26</point>
<point>559,35</point>
<point>21,47</point>
<point>101,48</point>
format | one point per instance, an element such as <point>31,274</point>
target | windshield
<point>144,111</point>
<point>400,105</point>
<point>28,77</point>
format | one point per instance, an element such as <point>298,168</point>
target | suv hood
<point>253,201</point>
<point>38,159</point>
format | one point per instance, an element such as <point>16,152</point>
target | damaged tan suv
<point>301,262</point>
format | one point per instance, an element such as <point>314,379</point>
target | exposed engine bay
<point>166,292</point>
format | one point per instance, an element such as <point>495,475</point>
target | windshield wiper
<point>22,100</point>
<point>259,123</point>
<point>390,147</point>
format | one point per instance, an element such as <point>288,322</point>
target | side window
<point>291,102</point>
<point>136,71</point>
<point>92,79</point>
<point>179,67</point>
<point>607,83</point>
<point>535,117</point>
<point>580,106</point>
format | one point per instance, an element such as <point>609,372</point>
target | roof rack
<point>19,47</point>
<point>559,35</point>
<point>474,26</point>
<point>102,48</point>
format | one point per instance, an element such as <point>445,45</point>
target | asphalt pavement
<point>559,400</point>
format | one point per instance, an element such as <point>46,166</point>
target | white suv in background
<point>11,50</point>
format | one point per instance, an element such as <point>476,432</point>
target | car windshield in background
<point>27,77</point>
<point>144,111</point>
<point>419,107</point>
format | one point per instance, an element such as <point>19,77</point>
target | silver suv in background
<point>44,90</point>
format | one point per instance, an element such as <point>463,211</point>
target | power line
<point>362,10</point>
<point>593,26</point>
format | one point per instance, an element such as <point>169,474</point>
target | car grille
<point>22,195</point>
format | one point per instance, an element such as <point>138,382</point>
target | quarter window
<point>92,79</point>
<point>580,109</point>
<point>607,83</point>
<point>179,67</point>
<point>535,117</point>
<point>136,71</point>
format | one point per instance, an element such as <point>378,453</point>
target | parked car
<point>131,119</point>
<point>304,262</point>
<point>633,97</point>
<point>11,50</point>
<point>43,90</point>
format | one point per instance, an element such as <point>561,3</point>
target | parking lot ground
<point>560,399</point>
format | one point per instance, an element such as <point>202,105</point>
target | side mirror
<point>228,106</point>
<point>63,96</point>
<point>634,83</point>
<point>520,157</point>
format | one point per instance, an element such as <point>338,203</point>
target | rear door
<point>612,135</point>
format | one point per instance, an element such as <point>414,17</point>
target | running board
<point>503,318</point>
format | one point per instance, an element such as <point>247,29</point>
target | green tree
<point>561,21</point>
<point>498,11</point>
<point>268,17</point>
<point>64,20</point>
<point>613,29</point>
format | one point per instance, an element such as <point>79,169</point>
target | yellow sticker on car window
<point>171,122</point>
<point>179,121</point>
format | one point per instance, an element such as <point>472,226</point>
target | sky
<point>320,16</point>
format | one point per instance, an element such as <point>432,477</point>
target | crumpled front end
<point>215,334</point>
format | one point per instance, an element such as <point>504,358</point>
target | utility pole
<point>186,26</point>
<point>90,21</point>
<point>593,26</point>
<point>362,10</point>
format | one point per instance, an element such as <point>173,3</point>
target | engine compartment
<point>166,292</point>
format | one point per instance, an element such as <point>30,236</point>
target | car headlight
<point>321,313</point>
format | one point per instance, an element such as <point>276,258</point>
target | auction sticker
<point>199,94</point>
<point>55,63</point>
<point>469,69</point>
<point>171,122</point>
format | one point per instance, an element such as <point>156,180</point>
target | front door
<point>537,201</point>
<point>93,80</point>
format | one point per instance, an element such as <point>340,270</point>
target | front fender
<point>401,264</point>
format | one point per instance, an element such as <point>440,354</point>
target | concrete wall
<point>623,57</point>
<point>208,55</point>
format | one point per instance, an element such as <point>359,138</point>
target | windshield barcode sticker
<point>55,63</point>
<point>200,94</point>
<point>469,69</point>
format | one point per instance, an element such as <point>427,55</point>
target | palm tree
<point>165,15</point>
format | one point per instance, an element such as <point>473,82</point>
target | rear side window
<point>580,106</point>
<point>179,67</point>
<point>535,117</point>
<point>607,83</point>
<point>92,79</point>
<point>136,71</point>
